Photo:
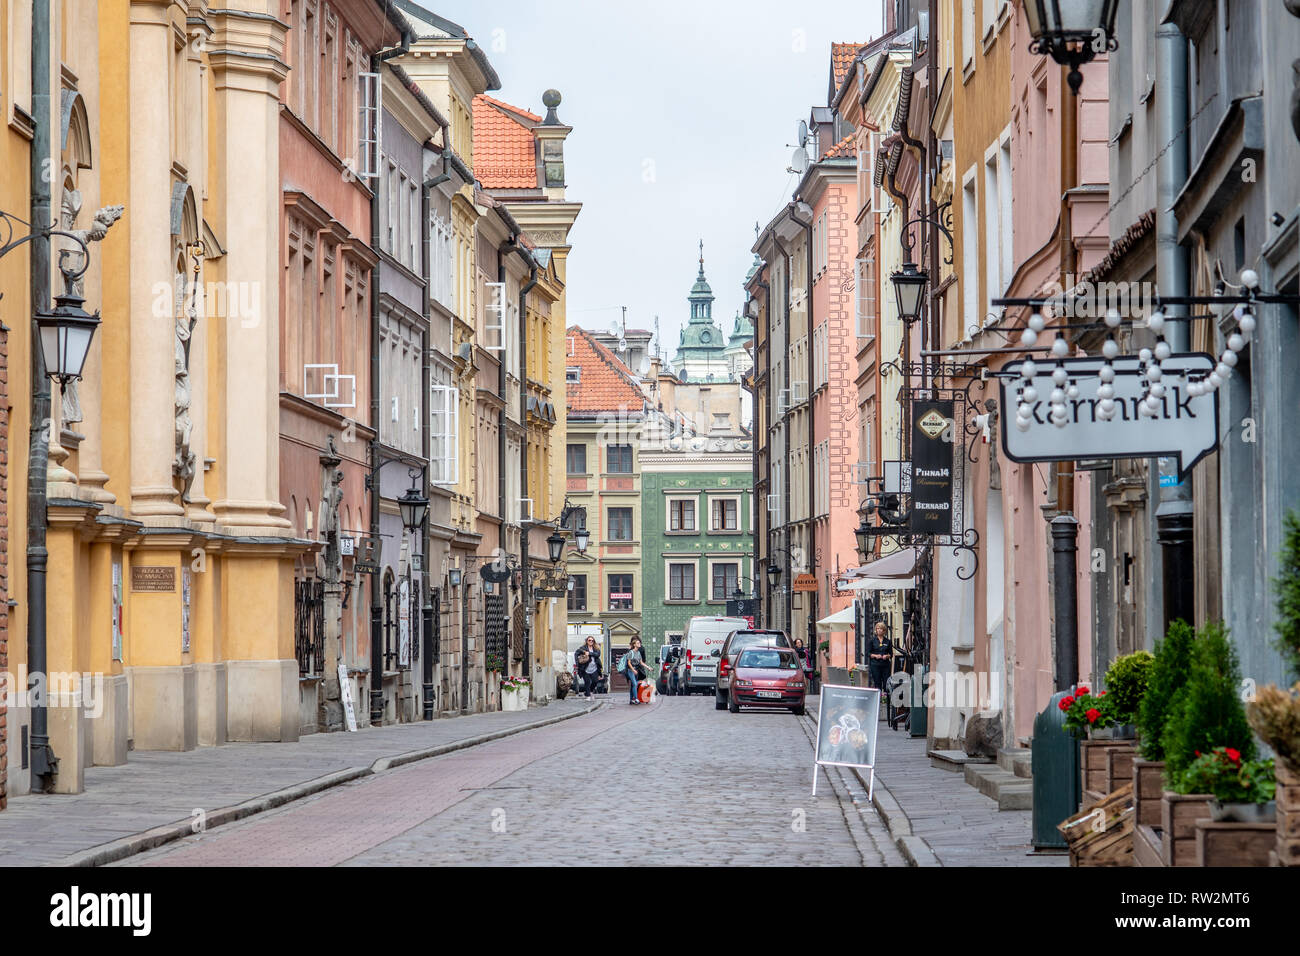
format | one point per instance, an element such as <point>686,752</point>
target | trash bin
<point>1054,757</point>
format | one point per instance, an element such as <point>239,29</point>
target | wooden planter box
<point>1287,846</point>
<point>1148,791</point>
<point>1119,765</point>
<point>1179,814</point>
<point>1233,844</point>
<point>1094,773</point>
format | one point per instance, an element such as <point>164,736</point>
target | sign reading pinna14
<point>1185,426</point>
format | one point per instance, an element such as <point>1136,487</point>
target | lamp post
<point>909,290</point>
<point>1072,32</point>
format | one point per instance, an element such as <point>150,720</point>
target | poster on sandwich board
<point>847,718</point>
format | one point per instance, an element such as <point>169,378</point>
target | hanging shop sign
<point>1176,423</point>
<point>805,582</point>
<point>367,560</point>
<point>932,467</point>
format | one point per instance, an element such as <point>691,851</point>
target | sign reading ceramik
<point>76,909</point>
<point>932,451</point>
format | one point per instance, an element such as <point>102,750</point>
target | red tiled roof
<point>842,55</point>
<point>505,153</point>
<point>605,384</point>
<point>842,149</point>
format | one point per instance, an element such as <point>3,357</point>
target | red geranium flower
<point>1093,714</point>
<point>1066,703</point>
<point>1197,752</point>
<point>1233,755</point>
<point>1102,694</point>
<point>1081,690</point>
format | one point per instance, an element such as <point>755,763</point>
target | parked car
<point>736,642</point>
<point>703,643</point>
<point>768,677</point>
<point>669,680</point>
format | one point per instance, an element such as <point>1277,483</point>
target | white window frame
<point>714,528</point>
<point>714,562</point>
<point>695,513</point>
<point>494,302</point>
<point>370,96</point>
<point>694,565</point>
<point>864,292</point>
<point>444,435</point>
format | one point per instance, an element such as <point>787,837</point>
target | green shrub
<point>1126,682</point>
<point>1173,660</point>
<point>1287,587</point>
<point>1209,710</point>
<point>1230,778</point>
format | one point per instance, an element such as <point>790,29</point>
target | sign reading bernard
<point>1183,425</point>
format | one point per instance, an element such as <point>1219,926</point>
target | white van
<point>703,646</point>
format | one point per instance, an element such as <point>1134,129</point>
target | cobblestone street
<point>674,783</point>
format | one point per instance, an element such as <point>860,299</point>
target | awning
<point>884,574</point>
<point>839,621</point>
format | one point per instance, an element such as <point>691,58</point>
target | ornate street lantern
<point>555,546</point>
<point>66,333</point>
<point>580,538</point>
<point>413,505</point>
<point>453,577</point>
<point>1072,32</point>
<point>863,534</point>
<point>773,574</point>
<point>909,288</point>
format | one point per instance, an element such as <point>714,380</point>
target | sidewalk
<point>936,818</point>
<point>160,791</point>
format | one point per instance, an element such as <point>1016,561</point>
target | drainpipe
<point>1174,511</point>
<point>44,765</point>
<point>426,383</point>
<point>1065,526</point>
<point>785,472</point>
<point>525,538</point>
<point>376,606</point>
<point>765,610</point>
<point>812,472</point>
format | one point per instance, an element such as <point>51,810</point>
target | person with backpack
<point>633,665</point>
<point>587,659</point>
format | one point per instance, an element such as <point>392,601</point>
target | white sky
<point>700,98</point>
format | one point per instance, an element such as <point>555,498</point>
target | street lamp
<point>1071,32</point>
<point>863,534</point>
<point>909,288</point>
<point>773,574</point>
<point>580,538</point>
<point>413,506</point>
<point>65,333</point>
<point>453,577</point>
<point>555,546</point>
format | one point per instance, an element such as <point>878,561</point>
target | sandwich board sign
<point>847,718</point>
<point>1186,427</point>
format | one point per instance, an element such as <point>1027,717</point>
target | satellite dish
<point>799,161</point>
<point>622,345</point>
<point>803,133</point>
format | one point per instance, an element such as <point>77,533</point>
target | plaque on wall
<point>145,577</point>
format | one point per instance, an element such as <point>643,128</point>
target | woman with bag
<point>587,659</point>
<point>634,668</point>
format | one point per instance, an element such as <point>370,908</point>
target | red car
<point>768,677</point>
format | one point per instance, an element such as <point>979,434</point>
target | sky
<point>684,119</point>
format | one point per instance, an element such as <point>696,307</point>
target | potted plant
<point>1242,789</point>
<point>1127,679</point>
<point>495,665</point>
<point>1274,715</point>
<point>511,696</point>
<point>1088,715</point>
<point>1169,669</point>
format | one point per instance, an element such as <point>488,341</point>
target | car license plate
<point>769,693</point>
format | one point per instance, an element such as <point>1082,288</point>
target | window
<point>681,514</point>
<point>967,33</point>
<point>440,261</point>
<point>865,290</point>
<point>577,520</point>
<point>681,582</point>
<point>572,375</point>
<point>620,524</point>
<point>724,515</point>
<point>618,460</point>
<point>578,593</point>
<point>444,435</point>
<point>726,581</point>
<point>970,260</point>
<point>576,459</point>
<point>368,145</point>
<point>620,592</point>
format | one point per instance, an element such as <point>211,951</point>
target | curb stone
<point>168,832</point>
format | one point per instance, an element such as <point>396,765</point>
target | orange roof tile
<point>505,152</point>
<point>604,384</point>
<point>842,149</point>
<point>842,55</point>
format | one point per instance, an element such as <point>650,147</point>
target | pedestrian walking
<point>880,656</point>
<point>587,659</point>
<point>634,667</point>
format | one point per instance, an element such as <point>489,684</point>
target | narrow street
<point>677,782</point>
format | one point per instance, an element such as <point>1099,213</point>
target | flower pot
<point>524,694</point>
<point>1179,813</point>
<point>510,699</point>
<point>1236,812</point>
<point>1148,791</point>
<point>1119,764</point>
<point>1220,843</point>
<point>1093,763</point>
